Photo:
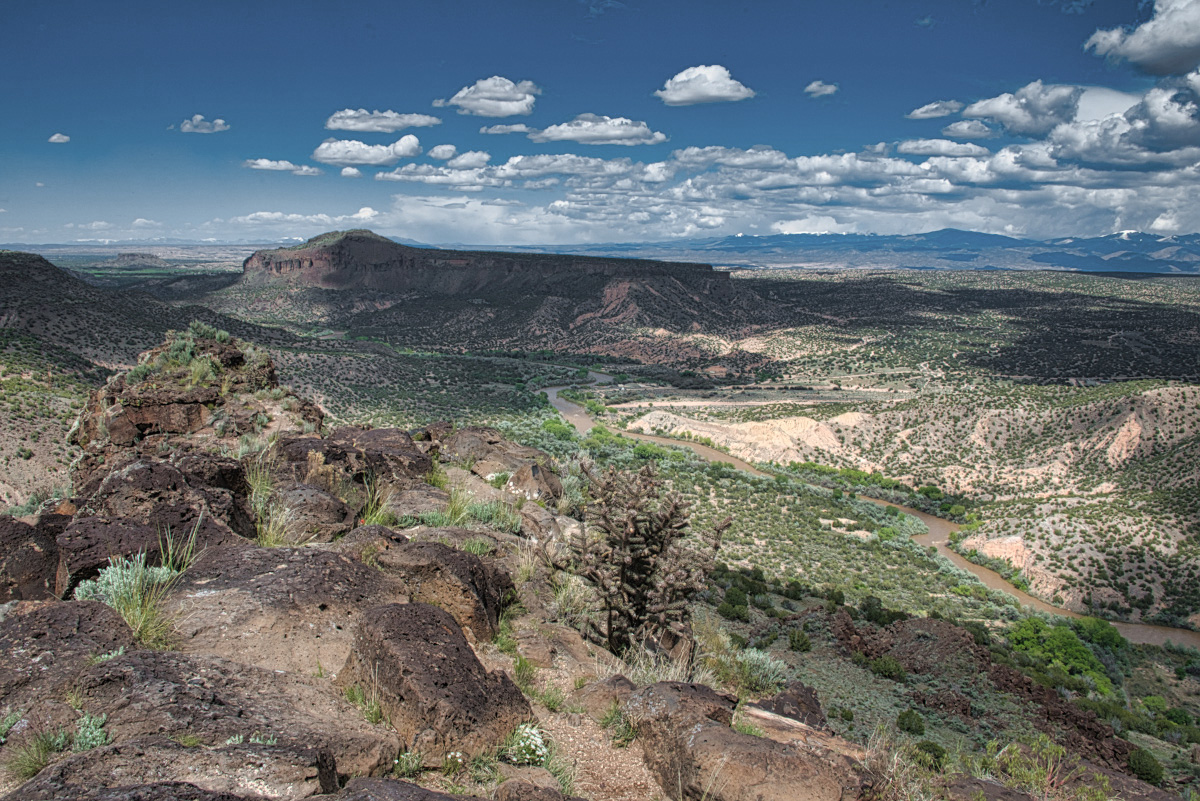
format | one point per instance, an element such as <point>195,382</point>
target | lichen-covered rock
<point>150,693</point>
<point>271,771</point>
<point>43,647</point>
<point>431,685</point>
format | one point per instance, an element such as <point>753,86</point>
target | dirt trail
<point>938,536</point>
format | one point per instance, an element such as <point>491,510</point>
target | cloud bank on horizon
<point>1104,136</point>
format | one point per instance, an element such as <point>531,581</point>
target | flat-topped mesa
<point>362,259</point>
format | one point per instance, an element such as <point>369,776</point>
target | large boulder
<point>270,771</point>
<point>462,584</point>
<point>28,561</point>
<point>416,660</point>
<point>287,609</point>
<point>690,748</point>
<point>149,693</point>
<point>316,515</point>
<point>175,494</point>
<point>798,702</point>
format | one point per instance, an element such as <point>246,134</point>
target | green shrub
<point>90,733</point>
<point>1143,765</point>
<point>137,592</point>
<point>799,641</point>
<point>759,672</point>
<point>887,667</point>
<point>730,612</point>
<point>930,754</point>
<point>910,721</point>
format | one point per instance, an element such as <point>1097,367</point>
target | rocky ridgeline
<point>291,645</point>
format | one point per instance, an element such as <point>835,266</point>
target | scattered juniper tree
<point>632,551</point>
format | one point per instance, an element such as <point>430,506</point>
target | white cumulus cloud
<point>59,139</point>
<point>520,127</point>
<point>197,124</point>
<point>442,152</point>
<point>940,147</point>
<point>938,108</point>
<point>494,97</point>
<point>1167,44</point>
<point>348,152</point>
<point>597,129</point>
<point>968,129</point>
<point>1034,110</point>
<point>820,89</point>
<point>703,84</point>
<point>281,166</point>
<point>364,121</point>
<point>351,172</point>
<point>469,160</point>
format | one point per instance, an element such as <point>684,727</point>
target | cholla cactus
<point>632,551</point>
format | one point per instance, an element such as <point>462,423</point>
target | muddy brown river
<point>938,536</point>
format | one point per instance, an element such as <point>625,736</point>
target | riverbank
<point>938,536</point>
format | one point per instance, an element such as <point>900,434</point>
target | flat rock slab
<point>270,771</point>
<point>277,608</point>
<point>431,685</point>
<point>44,645</point>
<point>148,693</point>
<point>456,581</point>
<point>393,790</point>
<point>159,791</point>
<point>690,748</point>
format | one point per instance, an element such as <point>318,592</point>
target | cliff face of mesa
<point>364,260</point>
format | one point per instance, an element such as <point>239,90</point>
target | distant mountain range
<point>947,249</point>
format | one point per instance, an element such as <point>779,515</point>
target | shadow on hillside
<point>1042,334</point>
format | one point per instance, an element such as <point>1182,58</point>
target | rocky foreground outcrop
<point>311,651</point>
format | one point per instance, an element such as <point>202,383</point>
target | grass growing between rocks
<point>138,592</point>
<point>27,759</point>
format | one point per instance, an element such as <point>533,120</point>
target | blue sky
<point>627,121</point>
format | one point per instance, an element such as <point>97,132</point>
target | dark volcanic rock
<point>149,693</point>
<point>431,685</point>
<point>798,702</point>
<point>28,561</point>
<point>158,791</point>
<point>456,581</point>
<point>44,646</point>
<point>89,543</point>
<point>393,790</point>
<point>163,494</point>
<point>273,771</point>
<point>317,515</point>
<point>689,747</point>
<point>278,608</point>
